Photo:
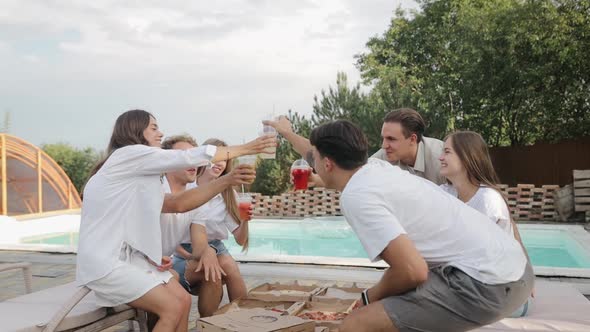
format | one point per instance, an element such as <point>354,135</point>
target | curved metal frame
<point>46,168</point>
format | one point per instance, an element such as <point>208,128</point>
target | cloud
<point>70,67</point>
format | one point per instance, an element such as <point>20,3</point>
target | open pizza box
<point>255,320</point>
<point>327,314</point>
<point>284,292</point>
<point>248,303</point>
<point>331,293</point>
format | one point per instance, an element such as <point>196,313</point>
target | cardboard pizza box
<point>331,293</point>
<point>335,311</point>
<point>248,303</point>
<point>255,320</point>
<point>284,292</point>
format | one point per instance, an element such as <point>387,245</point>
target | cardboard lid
<point>257,319</point>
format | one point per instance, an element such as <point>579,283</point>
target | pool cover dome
<point>31,181</point>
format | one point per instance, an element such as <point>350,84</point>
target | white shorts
<point>132,278</point>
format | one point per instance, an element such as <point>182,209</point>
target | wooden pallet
<point>582,190</point>
<point>525,201</point>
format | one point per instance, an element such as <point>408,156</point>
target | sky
<point>69,68</point>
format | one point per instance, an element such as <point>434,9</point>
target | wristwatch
<point>365,296</point>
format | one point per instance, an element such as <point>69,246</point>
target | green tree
<point>339,102</point>
<point>516,71</point>
<point>77,163</point>
<point>350,103</point>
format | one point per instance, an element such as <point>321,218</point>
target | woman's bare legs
<point>236,287</point>
<point>185,298</point>
<point>162,301</point>
<point>210,292</point>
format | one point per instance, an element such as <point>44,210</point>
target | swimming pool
<point>562,250</point>
<point>554,249</point>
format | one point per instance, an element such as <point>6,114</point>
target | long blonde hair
<point>229,195</point>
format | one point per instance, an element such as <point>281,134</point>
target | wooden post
<point>39,182</point>
<point>4,179</point>
<point>69,195</point>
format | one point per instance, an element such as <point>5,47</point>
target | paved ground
<point>56,269</point>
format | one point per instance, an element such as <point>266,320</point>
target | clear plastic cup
<point>248,160</point>
<point>244,205</point>
<point>269,130</point>
<point>300,172</point>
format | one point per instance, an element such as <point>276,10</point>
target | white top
<point>489,202</point>
<point>381,201</point>
<point>427,164</point>
<point>217,219</point>
<point>122,204</point>
<point>175,227</point>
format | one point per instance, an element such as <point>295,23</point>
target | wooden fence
<point>526,202</point>
<point>542,163</point>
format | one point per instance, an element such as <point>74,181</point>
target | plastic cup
<point>300,172</point>
<point>247,160</point>
<point>244,205</point>
<point>269,130</point>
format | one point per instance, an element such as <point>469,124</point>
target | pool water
<point>555,248</point>
<point>69,239</point>
<point>333,237</point>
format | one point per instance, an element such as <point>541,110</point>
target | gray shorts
<point>450,300</point>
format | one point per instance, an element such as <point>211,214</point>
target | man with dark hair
<point>405,145</point>
<point>450,268</point>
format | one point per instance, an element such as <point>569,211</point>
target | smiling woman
<point>123,201</point>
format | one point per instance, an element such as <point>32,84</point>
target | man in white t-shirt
<point>450,268</point>
<point>176,229</point>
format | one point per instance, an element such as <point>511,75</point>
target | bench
<point>62,308</point>
<point>556,307</point>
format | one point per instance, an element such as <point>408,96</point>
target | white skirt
<point>132,278</point>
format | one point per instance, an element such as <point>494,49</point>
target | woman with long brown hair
<point>220,215</point>
<point>467,166</point>
<point>120,247</point>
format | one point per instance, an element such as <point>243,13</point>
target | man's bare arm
<point>283,126</point>
<point>301,145</point>
<point>193,198</point>
<point>407,269</point>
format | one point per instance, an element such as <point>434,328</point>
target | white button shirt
<point>123,202</point>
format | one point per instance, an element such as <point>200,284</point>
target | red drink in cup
<point>245,210</point>
<point>244,205</point>
<point>300,176</point>
<point>300,172</point>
